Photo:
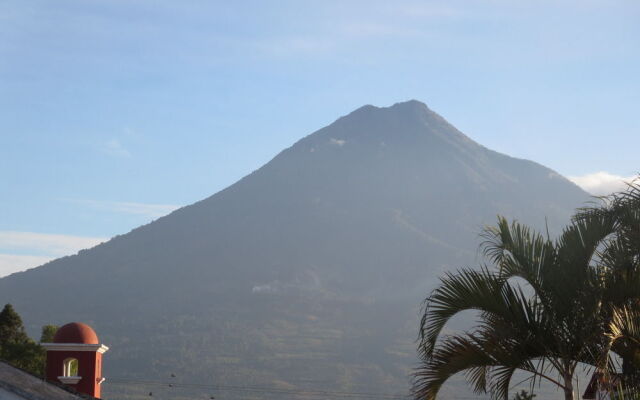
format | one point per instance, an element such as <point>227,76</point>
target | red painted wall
<point>89,368</point>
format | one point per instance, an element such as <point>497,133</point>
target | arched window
<point>70,367</point>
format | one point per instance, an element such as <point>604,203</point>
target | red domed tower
<point>75,358</point>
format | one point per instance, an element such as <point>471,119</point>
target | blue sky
<point>113,113</point>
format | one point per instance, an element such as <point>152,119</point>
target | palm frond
<point>469,289</point>
<point>518,251</point>
<point>455,354</point>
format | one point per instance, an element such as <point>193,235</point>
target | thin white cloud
<point>369,29</point>
<point>10,263</point>
<point>114,148</point>
<point>347,31</point>
<point>287,45</point>
<point>45,244</point>
<point>601,183</point>
<point>337,142</point>
<point>125,207</point>
<point>23,250</point>
<point>151,210</point>
<point>424,10</point>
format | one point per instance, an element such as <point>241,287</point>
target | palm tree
<point>539,311</point>
<point>619,267</point>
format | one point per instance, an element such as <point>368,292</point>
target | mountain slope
<point>308,272</point>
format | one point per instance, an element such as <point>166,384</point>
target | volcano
<point>305,275</point>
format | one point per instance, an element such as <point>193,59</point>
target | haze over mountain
<point>307,273</point>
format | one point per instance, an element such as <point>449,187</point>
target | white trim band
<point>69,380</point>
<point>100,348</point>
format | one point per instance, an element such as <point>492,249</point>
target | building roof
<point>76,332</point>
<point>18,384</point>
<point>600,382</point>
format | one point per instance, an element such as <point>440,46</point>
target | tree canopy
<point>16,348</point>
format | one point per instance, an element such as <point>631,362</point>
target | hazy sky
<point>113,113</point>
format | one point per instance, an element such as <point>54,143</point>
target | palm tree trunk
<point>568,394</point>
<point>568,387</point>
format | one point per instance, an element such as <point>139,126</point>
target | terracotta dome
<point>76,332</point>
